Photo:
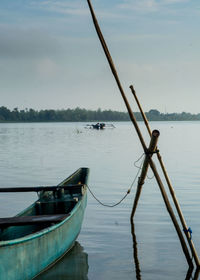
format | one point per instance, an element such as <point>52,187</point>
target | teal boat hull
<point>26,257</point>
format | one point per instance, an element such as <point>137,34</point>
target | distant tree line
<point>79,115</point>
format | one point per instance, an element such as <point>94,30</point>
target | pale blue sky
<point>50,56</point>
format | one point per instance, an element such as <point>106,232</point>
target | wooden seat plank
<point>42,188</point>
<point>32,220</point>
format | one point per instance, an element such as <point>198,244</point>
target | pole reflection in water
<point>189,275</point>
<point>74,265</point>
<point>196,275</point>
<point>135,252</point>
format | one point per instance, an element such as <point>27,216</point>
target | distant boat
<point>37,237</point>
<point>99,126</point>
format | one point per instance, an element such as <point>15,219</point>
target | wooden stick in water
<point>170,211</point>
<point>141,179</point>
<point>171,189</point>
<point>133,119</point>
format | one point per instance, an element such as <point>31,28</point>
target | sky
<point>51,58</point>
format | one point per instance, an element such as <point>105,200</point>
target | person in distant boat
<point>102,125</point>
<point>97,125</point>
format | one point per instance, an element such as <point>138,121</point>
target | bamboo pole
<point>170,211</point>
<point>141,110</point>
<point>133,119</point>
<point>113,69</point>
<point>171,189</point>
<point>141,179</point>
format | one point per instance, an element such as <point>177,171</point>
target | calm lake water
<point>46,153</point>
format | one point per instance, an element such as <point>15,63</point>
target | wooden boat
<point>37,237</point>
<point>99,126</point>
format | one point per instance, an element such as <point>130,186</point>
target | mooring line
<point>128,191</point>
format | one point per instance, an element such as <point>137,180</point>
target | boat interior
<point>53,206</point>
<point>50,209</point>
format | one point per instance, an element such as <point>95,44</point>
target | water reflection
<point>135,252</point>
<point>191,275</point>
<point>74,265</point>
<point>196,275</point>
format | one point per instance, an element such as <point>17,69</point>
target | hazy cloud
<point>148,5</point>
<point>70,8</point>
<point>167,2</point>
<point>140,5</point>
<point>47,68</point>
<point>18,43</point>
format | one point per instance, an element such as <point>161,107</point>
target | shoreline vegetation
<point>84,115</point>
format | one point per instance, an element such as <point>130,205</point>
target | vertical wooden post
<point>141,179</point>
<point>171,189</point>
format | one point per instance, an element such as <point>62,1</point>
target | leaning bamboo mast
<point>133,119</point>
